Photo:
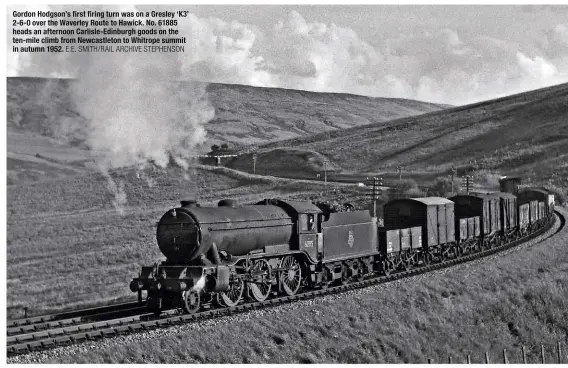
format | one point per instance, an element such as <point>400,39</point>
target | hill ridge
<point>522,134</point>
<point>243,114</point>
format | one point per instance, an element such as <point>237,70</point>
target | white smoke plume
<point>117,190</point>
<point>136,109</point>
<point>137,114</point>
<point>142,175</point>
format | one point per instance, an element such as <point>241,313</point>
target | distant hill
<point>525,134</point>
<point>243,114</point>
<point>250,115</point>
<point>40,109</point>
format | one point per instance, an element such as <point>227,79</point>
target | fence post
<point>542,352</point>
<point>468,359</point>
<point>524,352</point>
<point>505,360</point>
<point>559,351</point>
<point>486,358</point>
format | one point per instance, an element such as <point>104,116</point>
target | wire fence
<point>523,355</point>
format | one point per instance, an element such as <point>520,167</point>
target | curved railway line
<point>49,331</point>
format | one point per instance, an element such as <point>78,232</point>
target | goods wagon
<point>533,197</point>
<point>400,248</point>
<point>389,247</point>
<point>524,218</point>
<point>486,207</point>
<point>540,195</point>
<point>533,213</point>
<point>468,234</point>
<point>508,216</point>
<point>435,215</point>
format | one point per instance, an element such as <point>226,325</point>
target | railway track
<point>73,318</point>
<point>76,314</point>
<point>45,332</point>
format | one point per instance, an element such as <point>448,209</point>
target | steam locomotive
<point>226,254</point>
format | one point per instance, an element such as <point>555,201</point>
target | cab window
<point>311,222</point>
<point>303,222</point>
<point>307,222</point>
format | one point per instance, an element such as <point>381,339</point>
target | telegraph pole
<point>467,183</point>
<point>254,163</point>
<point>325,172</point>
<point>453,175</point>
<point>375,192</point>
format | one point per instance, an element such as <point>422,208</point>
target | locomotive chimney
<point>228,203</point>
<point>189,203</point>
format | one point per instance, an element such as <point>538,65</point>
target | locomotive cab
<point>308,225</point>
<point>308,219</point>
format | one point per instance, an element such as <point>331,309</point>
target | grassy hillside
<point>524,134</point>
<point>285,162</point>
<point>243,114</point>
<point>46,133</point>
<point>248,115</point>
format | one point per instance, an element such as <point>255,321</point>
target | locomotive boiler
<point>198,235</point>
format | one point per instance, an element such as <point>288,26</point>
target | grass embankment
<point>505,302</point>
<point>69,247</point>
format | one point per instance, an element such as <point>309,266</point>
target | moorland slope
<point>243,114</point>
<point>46,135</point>
<point>525,134</point>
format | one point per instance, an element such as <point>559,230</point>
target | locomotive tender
<point>225,254</point>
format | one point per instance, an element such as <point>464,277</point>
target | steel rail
<point>71,314</point>
<point>22,344</point>
<point>111,314</point>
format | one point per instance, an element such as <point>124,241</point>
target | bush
<point>560,195</point>
<point>406,188</point>
<point>404,185</point>
<point>414,193</point>
<point>442,187</point>
<point>487,179</point>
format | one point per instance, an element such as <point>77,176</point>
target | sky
<point>446,54</point>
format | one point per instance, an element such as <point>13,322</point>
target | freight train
<point>229,253</point>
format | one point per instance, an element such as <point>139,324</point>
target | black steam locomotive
<point>226,254</point>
